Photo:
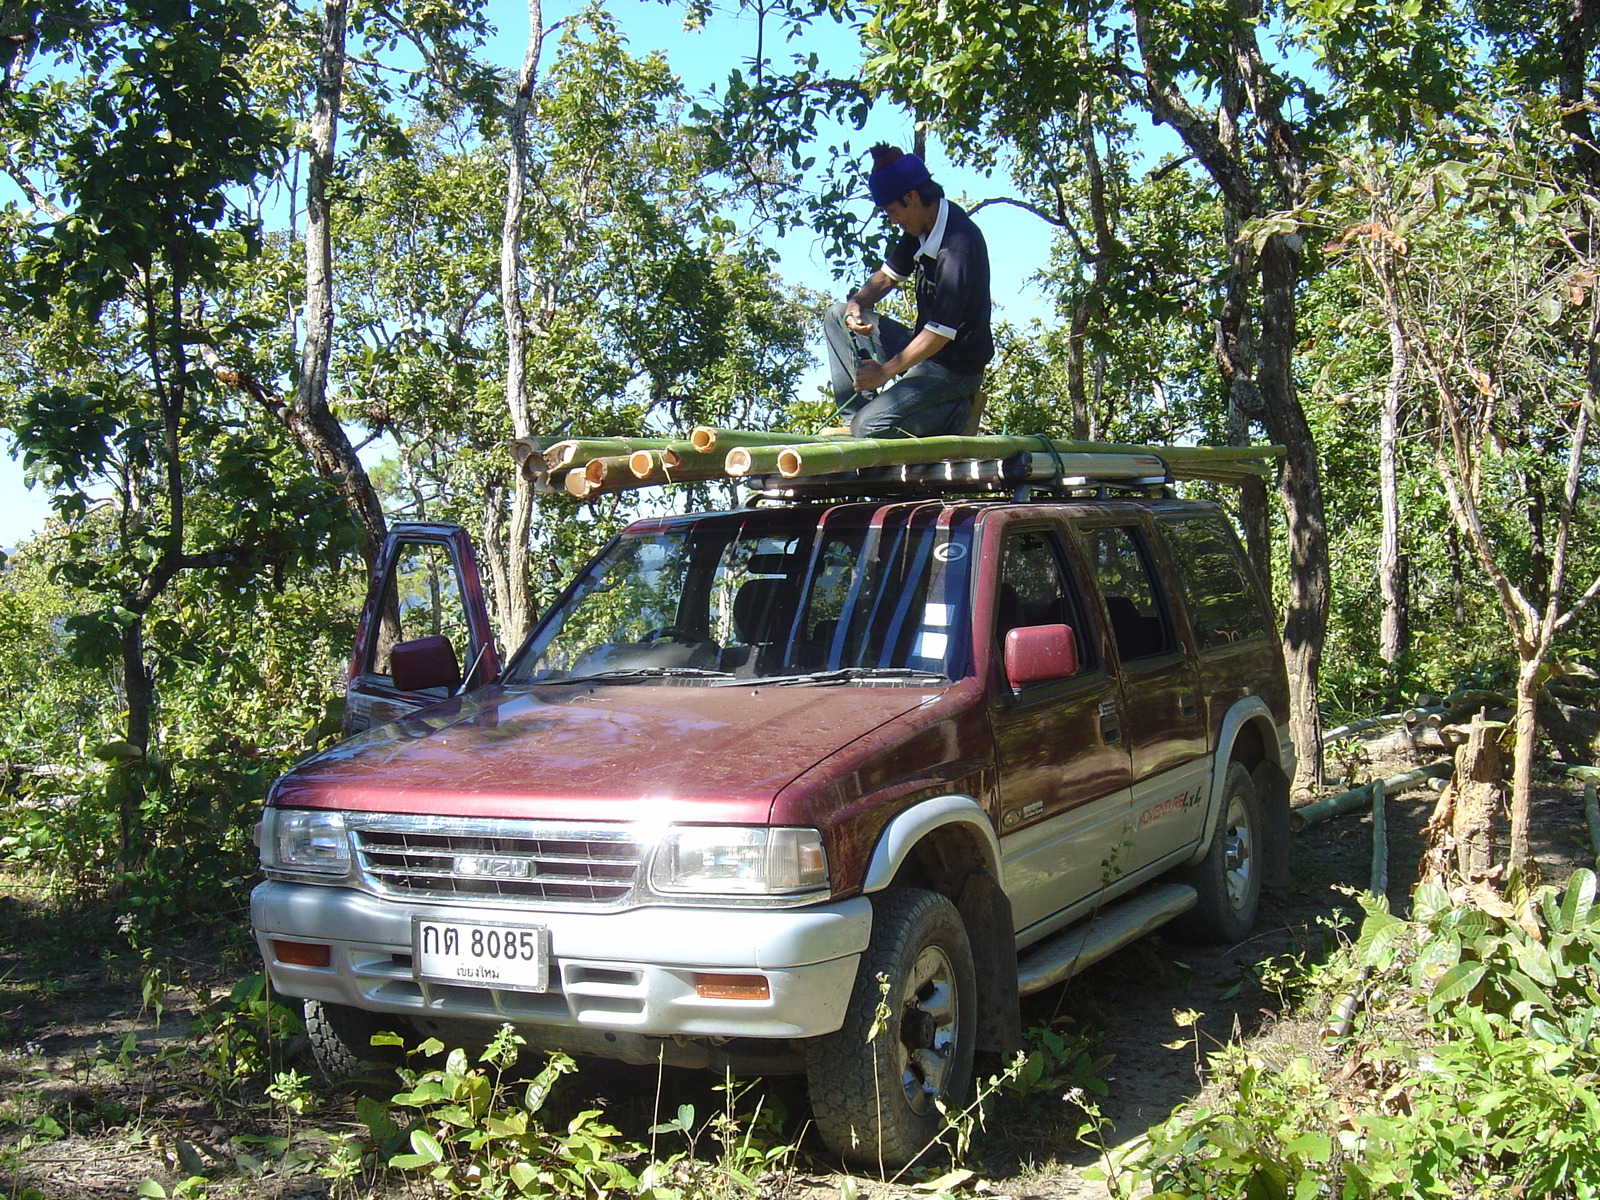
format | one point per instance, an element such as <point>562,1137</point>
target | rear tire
<point>1228,878</point>
<point>341,1043</point>
<point>874,1101</point>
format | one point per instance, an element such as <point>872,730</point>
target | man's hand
<point>870,376</point>
<point>858,321</point>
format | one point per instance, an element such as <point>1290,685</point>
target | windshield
<point>854,593</point>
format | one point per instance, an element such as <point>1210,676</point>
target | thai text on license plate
<point>473,954</point>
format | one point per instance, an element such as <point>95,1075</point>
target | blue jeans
<point>927,401</point>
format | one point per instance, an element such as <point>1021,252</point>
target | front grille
<point>503,860</point>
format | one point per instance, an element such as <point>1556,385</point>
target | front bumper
<point>629,972</point>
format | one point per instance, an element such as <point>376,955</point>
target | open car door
<point>424,630</point>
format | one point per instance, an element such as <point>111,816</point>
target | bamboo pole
<point>1577,772</point>
<point>685,458</point>
<point>620,473</point>
<point>829,457</point>
<point>1356,798</point>
<point>712,453</point>
<point>1415,716</point>
<point>1379,885</point>
<point>1591,809</point>
<point>753,460</point>
<point>608,472</point>
<point>575,452</point>
<point>1345,730</point>
<point>523,449</point>
<point>709,437</point>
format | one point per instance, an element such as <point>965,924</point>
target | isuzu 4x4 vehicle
<point>752,761</point>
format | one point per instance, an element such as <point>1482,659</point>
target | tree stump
<point>1479,787</point>
<point>1438,844</point>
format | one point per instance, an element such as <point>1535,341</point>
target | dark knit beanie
<point>894,174</point>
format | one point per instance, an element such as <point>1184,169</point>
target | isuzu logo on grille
<point>492,866</point>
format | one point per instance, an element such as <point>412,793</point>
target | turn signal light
<point>732,987</point>
<point>303,954</point>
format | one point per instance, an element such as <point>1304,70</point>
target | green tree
<point>1487,268</point>
<point>133,142</point>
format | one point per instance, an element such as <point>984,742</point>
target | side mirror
<point>427,662</point>
<point>1036,653</point>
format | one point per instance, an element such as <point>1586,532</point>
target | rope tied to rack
<point>1055,455</point>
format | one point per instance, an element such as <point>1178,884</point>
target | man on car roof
<point>917,382</point>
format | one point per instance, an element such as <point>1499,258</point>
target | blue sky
<point>1019,243</point>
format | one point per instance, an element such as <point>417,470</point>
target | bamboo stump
<point>1479,787</point>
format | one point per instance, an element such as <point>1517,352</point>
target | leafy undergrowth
<point>1465,1065</point>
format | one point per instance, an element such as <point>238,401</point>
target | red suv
<point>758,772</point>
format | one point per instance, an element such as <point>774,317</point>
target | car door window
<point>1035,589</point>
<point>422,598</point>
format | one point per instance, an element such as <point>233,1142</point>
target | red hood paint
<point>610,753</point>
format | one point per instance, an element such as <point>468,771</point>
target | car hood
<point>585,752</point>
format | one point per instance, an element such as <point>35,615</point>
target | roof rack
<point>1019,477</point>
<point>782,465</point>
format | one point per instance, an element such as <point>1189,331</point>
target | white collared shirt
<point>927,245</point>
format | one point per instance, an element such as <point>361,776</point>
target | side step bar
<point>1099,934</point>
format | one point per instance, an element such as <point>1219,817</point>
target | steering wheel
<point>676,633</point>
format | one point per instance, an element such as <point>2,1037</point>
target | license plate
<point>478,955</point>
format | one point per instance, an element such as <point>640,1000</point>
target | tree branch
<point>1026,206</point>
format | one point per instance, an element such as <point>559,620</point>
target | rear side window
<point>1223,604</point>
<point>1128,585</point>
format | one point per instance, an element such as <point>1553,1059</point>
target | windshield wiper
<point>842,675</point>
<point>643,673</point>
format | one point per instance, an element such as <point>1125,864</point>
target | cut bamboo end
<point>579,485</point>
<point>753,460</point>
<point>559,456</point>
<point>610,472</point>
<point>575,452</point>
<point>645,463</point>
<point>788,462</point>
<point>683,457</point>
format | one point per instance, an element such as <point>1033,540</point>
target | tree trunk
<point>1254,519</point>
<point>517,612</point>
<point>1527,727</point>
<point>1077,394</point>
<point>519,617</point>
<point>1576,36</point>
<point>1391,581</point>
<point>310,419</point>
<point>1233,351</point>
<point>1300,486</point>
<point>493,534</point>
<point>1479,779</point>
<point>1458,580</point>
<point>138,687</point>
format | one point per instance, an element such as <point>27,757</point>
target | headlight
<point>296,839</point>
<point>720,860</point>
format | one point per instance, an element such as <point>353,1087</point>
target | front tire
<point>876,1099</point>
<point>1228,878</point>
<point>341,1043</point>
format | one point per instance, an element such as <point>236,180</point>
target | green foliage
<point>1473,1070</point>
<point>246,1035</point>
<point>472,1137</point>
